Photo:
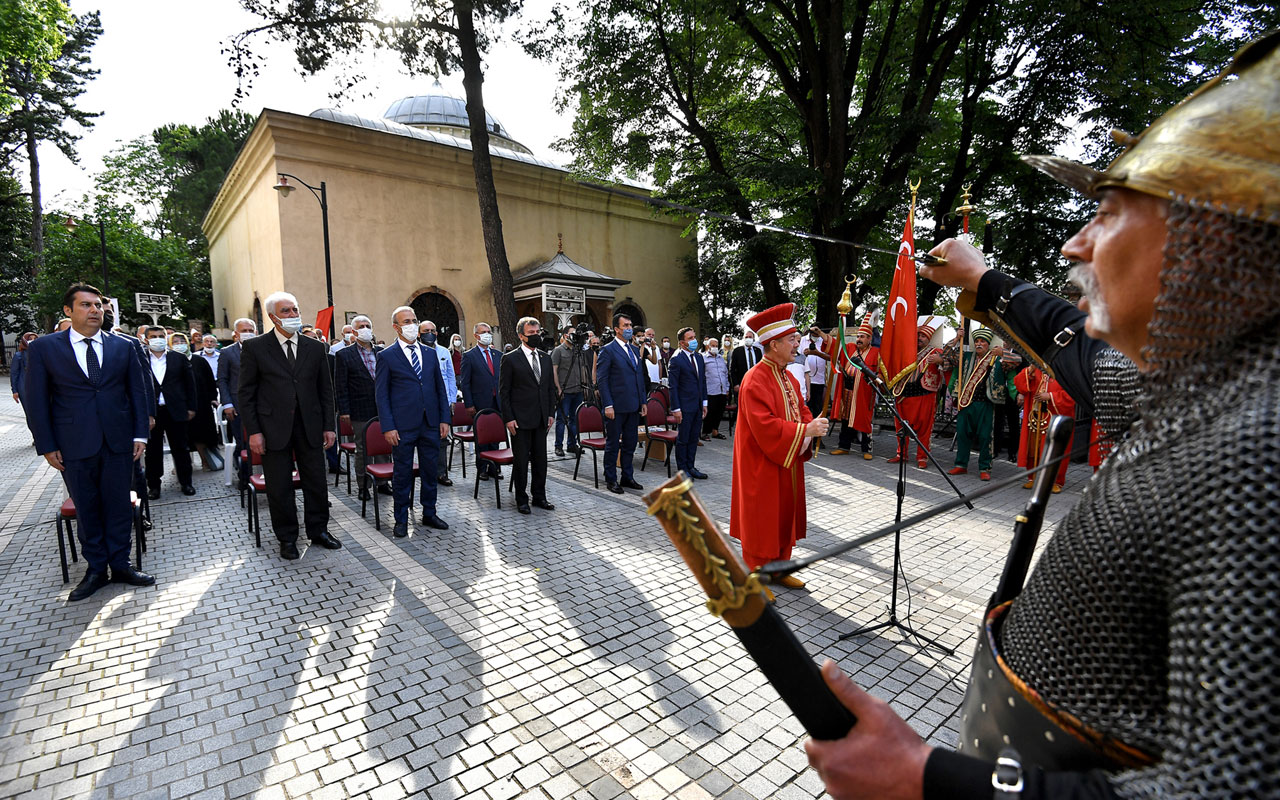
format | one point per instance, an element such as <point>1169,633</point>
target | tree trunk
<point>487,194</point>
<point>37,217</point>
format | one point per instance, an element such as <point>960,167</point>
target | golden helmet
<point>1220,145</point>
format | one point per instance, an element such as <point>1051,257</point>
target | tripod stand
<point>905,434</point>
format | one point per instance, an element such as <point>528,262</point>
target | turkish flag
<point>898,342</point>
<point>325,316</point>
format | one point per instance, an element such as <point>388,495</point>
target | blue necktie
<point>91,362</point>
<point>631,355</point>
<point>413,359</point>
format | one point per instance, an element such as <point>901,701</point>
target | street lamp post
<point>71,226</point>
<point>284,187</point>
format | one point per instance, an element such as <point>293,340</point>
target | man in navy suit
<point>415,413</point>
<point>687,376</point>
<point>86,405</point>
<point>229,386</point>
<point>479,383</point>
<point>356,366</point>
<point>527,396</point>
<point>620,379</point>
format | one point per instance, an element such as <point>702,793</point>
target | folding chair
<point>590,420</point>
<point>655,416</point>
<point>375,444</point>
<point>490,429</point>
<point>66,518</point>
<point>258,483</point>
<point>346,450</point>
<point>461,419</point>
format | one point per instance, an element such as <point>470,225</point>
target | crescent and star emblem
<point>893,310</point>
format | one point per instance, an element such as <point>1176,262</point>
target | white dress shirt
<point>408,348</point>
<point>530,355</point>
<point>159,366</point>
<point>82,353</point>
<point>282,337</point>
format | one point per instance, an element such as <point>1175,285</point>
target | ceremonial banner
<point>324,317</point>
<point>898,342</point>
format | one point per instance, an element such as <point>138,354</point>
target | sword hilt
<point>930,260</point>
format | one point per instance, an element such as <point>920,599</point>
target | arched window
<point>440,310</point>
<point>633,311</point>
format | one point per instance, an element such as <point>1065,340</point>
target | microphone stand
<point>905,435</point>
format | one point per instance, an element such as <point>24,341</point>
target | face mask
<point>455,344</point>
<point>692,344</point>
<point>429,339</point>
<point>180,348</point>
<point>157,345</point>
<point>409,332</point>
<point>534,340</point>
<point>666,345</point>
<point>627,333</point>
<point>209,351</point>
<point>486,339</point>
<point>749,342</point>
<point>713,350</point>
<point>246,336</point>
<point>348,337</point>
<point>365,334</point>
<point>291,325</point>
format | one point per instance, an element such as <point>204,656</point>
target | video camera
<point>579,334</point>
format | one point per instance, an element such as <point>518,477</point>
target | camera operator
<point>569,361</point>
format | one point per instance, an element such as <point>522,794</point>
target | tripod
<point>906,434</point>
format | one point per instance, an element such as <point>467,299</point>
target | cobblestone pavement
<point>563,654</point>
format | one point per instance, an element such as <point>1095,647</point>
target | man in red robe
<point>917,392</point>
<point>775,428</point>
<point>1043,398</point>
<point>855,400</point>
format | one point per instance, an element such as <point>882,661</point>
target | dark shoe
<point>326,540</point>
<point>364,495</point>
<point>718,435</point>
<point>699,474</point>
<point>497,475</point>
<point>153,494</point>
<point>630,483</point>
<point>337,469</point>
<point>433,521</point>
<point>560,452</point>
<point>573,448</point>
<point>401,530</point>
<point>146,524</point>
<point>523,508</point>
<point>444,480</point>
<point>92,582</point>
<point>188,490</point>
<point>132,577</point>
<point>615,488</point>
<point>484,476</point>
<point>385,488</point>
<point>289,550</point>
<point>544,505</point>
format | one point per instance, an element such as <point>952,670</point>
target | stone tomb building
<point>404,226</point>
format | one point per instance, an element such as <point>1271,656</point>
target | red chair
<point>255,484</point>
<point>461,419</point>
<point>655,416</point>
<point>375,444</point>
<point>663,395</point>
<point>346,449</point>
<point>490,429</point>
<point>66,533</point>
<point>590,420</point>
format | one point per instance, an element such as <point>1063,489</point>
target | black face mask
<point>534,340</point>
<point>429,339</point>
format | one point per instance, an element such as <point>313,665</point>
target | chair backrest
<point>375,444</point>
<point>590,420</point>
<point>664,394</point>
<point>461,417</point>
<point>655,413</point>
<point>490,429</point>
<point>345,428</point>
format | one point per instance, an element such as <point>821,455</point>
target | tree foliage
<point>16,282</point>
<point>32,33</point>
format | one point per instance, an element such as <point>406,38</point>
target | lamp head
<point>70,225</point>
<point>283,186</point>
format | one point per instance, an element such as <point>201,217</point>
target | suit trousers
<point>426,443</point>
<point>99,486</point>
<point>277,470</point>
<point>687,439</point>
<point>175,427</point>
<point>715,413</point>
<point>620,436</point>
<point>362,460</point>
<point>530,445</point>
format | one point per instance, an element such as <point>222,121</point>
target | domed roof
<point>439,108</point>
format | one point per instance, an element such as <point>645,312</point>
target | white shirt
<point>801,372</point>
<point>159,366</point>
<point>530,356</point>
<point>82,353</point>
<point>212,359</point>
<point>408,348</point>
<point>817,369</point>
<point>282,337</point>
<point>339,346</point>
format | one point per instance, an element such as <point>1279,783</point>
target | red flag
<point>325,316</point>
<point>898,342</point>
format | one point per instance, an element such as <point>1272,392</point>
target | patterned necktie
<point>537,370</point>
<point>631,355</point>
<point>288,353</point>
<point>413,359</point>
<point>488,360</point>
<point>91,362</point>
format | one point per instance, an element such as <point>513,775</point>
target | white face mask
<point>291,325</point>
<point>210,351</point>
<point>713,350</point>
<point>365,334</point>
<point>409,332</point>
<point>247,335</point>
<point>748,342</point>
<point>156,345</point>
<point>348,337</point>
<point>486,339</point>
<point>180,348</point>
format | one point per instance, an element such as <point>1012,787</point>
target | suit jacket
<point>179,387</point>
<point>354,386</point>
<point>738,364</point>
<point>621,385</point>
<point>479,388</point>
<point>140,353</point>
<point>229,374</point>
<point>270,392</point>
<point>688,388</point>
<point>521,397</point>
<point>68,413</point>
<point>405,402</point>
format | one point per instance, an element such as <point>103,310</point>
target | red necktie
<point>488,360</point>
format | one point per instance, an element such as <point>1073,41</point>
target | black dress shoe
<point>433,521</point>
<point>401,530</point>
<point>697,473</point>
<point>132,577</point>
<point>153,494</point>
<point>630,483</point>
<point>544,505</point>
<point>188,490</point>
<point>92,582</point>
<point>338,470</point>
<point>484,476</point>
<point>444,480</point>
<point>615,488</point>
<point>385,488</point>
<point>289,550</point>
<point>560,452</point>
<point>523,508</point>
<point>326,540</point>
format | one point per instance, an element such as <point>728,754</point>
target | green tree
<point>16,283</point>
<point>32,33</point>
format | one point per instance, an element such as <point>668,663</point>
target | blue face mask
<point>692,344</point>
<point>627,333</point>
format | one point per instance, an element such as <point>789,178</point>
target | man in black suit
<point>174,385</point>
<point>527,399</point>
<point>745,356</point>
<point>357,365</point>
<point>86,406</point>
<point>229,385</point>
<point>286,401</point>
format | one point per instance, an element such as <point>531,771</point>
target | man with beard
<point>1139,660</point>
<point>978,384</point>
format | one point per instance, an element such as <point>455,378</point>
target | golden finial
<point>846,300</point>
<point>915,189</point>
<point>965,207</point>
<point>560,247</point>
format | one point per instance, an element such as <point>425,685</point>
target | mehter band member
<point>1140,658</point>
<point>775,428</point>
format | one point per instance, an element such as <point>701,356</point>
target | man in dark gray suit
<point>286,402</point>
<point>229,385</point>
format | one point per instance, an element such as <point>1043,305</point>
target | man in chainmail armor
<point>1140,660</point>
